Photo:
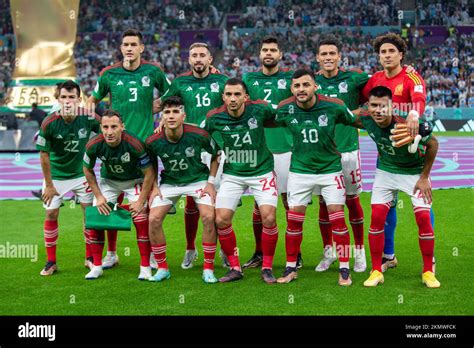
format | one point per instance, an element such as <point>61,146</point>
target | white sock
<point>389,256</point>
<point>111,253</point>
<point>291,264</point>
<point>343,265</point>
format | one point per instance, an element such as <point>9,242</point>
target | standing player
<point>315,167</point>
<point>271,84</point>
<point>248,164</point>
<point>62,140</point>
<point>131,84</point>
<point>179,147</point>
<point>398,169</point>
<point>124,163</point>
<point>346,85</point>
<point>409,96</point>
<point>201,91</point>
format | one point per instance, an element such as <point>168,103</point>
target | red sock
<point>376,234</point>
<point>269,242</point>
<point>356,218</point>
<point>88,242</point>
<point>191,222</point>
<point>50,238</point>
<point>324,224</point>
<point>159,251</point>
<point>97,245</point>
<point>112,241</point>
<point>209,250</point>
<point>229,245</point>
<point>425,237</point>
<point>340,234</point>
<point>294,235</point>
<point>257,228</point>
<point>141,224</point>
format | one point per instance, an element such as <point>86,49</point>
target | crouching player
<point>124,163</point>
<point>62,140</point>
<point>399,170</point>
<point>248,164</point>
<point>315,166</point>
<point>179,147</point>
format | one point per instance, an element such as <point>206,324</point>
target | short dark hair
<point>329,40</point>
<point>111,113</point>
<point>34,105</point>
<point>133,32</point>
<point>393,39</point>
<point>380,92</point>
<point>68,85</point>
<point>173,101</point>
<point>200,44</point>
<point>302,72</point>
<point>235,81</point>
<point>269,40</point>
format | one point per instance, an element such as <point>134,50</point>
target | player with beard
<point>271,84</point>
<point>201,91</point>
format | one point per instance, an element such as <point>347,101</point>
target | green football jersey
<point>123,162</point>
<point>273,89</point>
<point>347,86</point>
<point>182,160</point>
<point>131,94</point>
<point>199,95</point>
<point>392,159</point>
<point>313,131</point>
<point>243,137</point>
<point>66,143</point>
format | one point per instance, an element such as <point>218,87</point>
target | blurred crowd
<point>447,68</point>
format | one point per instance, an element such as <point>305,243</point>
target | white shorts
<point>282,169</point>
<point>351,169</point>
<point>79,186</point>
<point>111,189</point>
<point>263,188</point>
<point>386,185</point>
<point>171,194</point>
<point>302,186</point>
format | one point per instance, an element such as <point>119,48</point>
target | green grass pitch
<point>118,292</point>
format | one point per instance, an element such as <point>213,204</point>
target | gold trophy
<point>45,32</point>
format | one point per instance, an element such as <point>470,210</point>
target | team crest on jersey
<point>145,81</point>
<point>82,133</point>
<point>399,89</point>
<point>253,123</point>
<point>189,152</point>
<point>41,141</point>
<point>125,157</point>
<point>215,87</point>
<point>343,87</point>
<point>323,120</point>
<point>281,84</point>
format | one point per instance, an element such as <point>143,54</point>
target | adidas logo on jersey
<point>294,121</point>
<point>226,128</point>
<point>120,83</point>
<point>59,136</point>
<point>189,89</point>
<point>165,155</point>
<point>255,83</point>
